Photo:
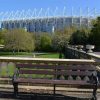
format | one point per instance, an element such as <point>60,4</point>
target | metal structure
<point>47,20</point>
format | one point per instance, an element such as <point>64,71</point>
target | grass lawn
<point>15,54</point>
<point>48,55</point>
<point>26,54</point>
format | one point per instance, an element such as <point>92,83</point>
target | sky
<point>14,5</point>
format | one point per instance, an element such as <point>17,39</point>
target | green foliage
<point>2,36</point>
<point>80,37</point>
<point>61,38</point>
<point>42,42</point>
<point>58,41</point>
<point>45,42</point>
<point>37,41</point>
<point>95,34</point>
<point>18,39</point>
<point>48,55</point>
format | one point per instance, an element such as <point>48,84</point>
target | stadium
<point>46,24</point>
<point>45,21</point>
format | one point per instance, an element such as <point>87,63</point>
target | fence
<point>77,53</point>
<point>8,64</point>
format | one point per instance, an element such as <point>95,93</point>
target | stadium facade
<point>46,24</point>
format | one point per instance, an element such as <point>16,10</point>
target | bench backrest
<point>36,70</point>
<point>66,72</point>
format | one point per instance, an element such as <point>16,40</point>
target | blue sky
<point>14,5</point>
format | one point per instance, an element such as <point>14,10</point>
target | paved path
<point>85,94</point>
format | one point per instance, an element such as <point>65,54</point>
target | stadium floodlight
<point>47,19</point>
<point>4,17</point>
<point>40,12</point>
<point>28,14</point>
<point>55,12</point>
<point>22,15</point>
<point>72,12</point>
<point>15,15</point>
<point>64,11</point>
<point>47,13</point>
<point>35,13</point>
<point>10,16</point>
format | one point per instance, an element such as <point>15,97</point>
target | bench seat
<point>49,81</point>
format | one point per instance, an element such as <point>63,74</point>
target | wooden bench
<point>73,75</point>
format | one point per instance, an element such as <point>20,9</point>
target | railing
<point>94,56</point>
<point>74,53</point>
<point>8,64</point>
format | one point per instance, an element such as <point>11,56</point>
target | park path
<point>70,92</point>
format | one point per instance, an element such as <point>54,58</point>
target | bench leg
<point>15,85</point>
<point>54,89</point>
<point>95,93</point>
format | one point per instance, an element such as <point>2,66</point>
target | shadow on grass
<point>35,96</point>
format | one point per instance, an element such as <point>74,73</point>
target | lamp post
<point>53,29</point>
<point>1,46</point>
<point>25,28</point>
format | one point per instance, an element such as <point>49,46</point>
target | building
<point>46,24</point>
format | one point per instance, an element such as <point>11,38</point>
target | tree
<point>45,42</point>
<point>2,36</point>
<point>37,38</point>
<point>42,41</point>
<point>94,37</point>
<point>61,38</point>
<point>18,39</point>
<point>80,37</point>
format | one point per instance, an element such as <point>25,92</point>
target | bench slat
<point>76,67</point>
<point>77,73</point>
<point>33,66</point>
<point>52,72</point>
<point>47,81</point>
<point>66,67</point>
<point>44,72</point>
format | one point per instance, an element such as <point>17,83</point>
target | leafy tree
<point>80,37</point>
<point>2,35</point>
<point>37,38</point>
<point>18,39</point>
<point>45,42</point>
<point>95,34</point>
<point>61,38</point>
<point>42,41</point>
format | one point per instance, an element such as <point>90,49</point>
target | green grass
<point>15,54</point>
<point>48,55</point>
<point>7,70</point>
<point>26,54</point>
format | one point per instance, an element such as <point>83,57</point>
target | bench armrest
<point>94,79</point>
<point>15,75</point>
